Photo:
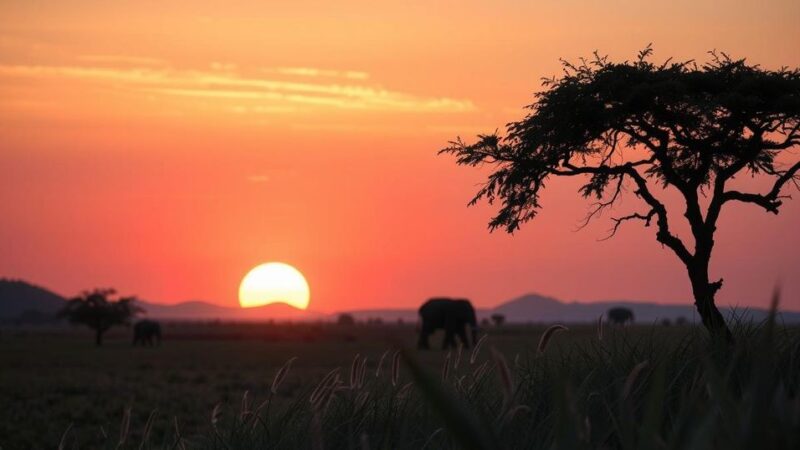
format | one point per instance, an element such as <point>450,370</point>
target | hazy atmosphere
<point>167,149</point>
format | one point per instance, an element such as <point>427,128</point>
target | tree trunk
<point>704,293</point>
<point>98,337</point>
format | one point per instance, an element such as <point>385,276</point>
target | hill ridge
<point>19,297</point>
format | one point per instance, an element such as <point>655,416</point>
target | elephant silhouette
<point>450,315</point>
<point>620,316</point>
<point>147,333</point>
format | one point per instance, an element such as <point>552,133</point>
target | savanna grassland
<point>211,386</point>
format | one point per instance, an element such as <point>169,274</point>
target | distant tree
<point>498,319</point>
<point>99,312</point>
<point>681,321</point>
<point>652,127</point>
<point>666,322</point>
<point>346,319</point>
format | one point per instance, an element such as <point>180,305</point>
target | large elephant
<point>620,315</point>
<point>147,333</point>
<point>451,315</point>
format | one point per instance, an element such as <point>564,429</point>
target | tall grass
<point>624,391</point>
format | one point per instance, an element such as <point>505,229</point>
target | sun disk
<point>274,283</point>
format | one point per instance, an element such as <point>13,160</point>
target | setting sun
<point>274,283</point>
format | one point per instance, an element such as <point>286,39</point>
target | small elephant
<point>451,315</point>
<point>620,316</point>
<point>147,333</point>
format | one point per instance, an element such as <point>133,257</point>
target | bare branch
<point>763,201</point>
<point>771,201</point>
<point>647,218</point>
<point>789,175</point>
<point>602,205</point>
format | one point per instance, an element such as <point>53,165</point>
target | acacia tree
<point>99,312</point>
<point>650,127</point>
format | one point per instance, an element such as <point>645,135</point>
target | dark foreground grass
<point>626,392</point>
<point>634,388</point>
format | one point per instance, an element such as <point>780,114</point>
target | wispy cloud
<point>122,59</point>
<point>312,72</point>
<point>223,82</point>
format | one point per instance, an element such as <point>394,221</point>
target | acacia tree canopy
<point>638,124</point>
<point>99,312</point>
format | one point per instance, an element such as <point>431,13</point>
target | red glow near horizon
<point>165,151</point>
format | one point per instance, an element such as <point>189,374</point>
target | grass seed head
<point>446,367</point>
<point>148,427</point>
<point>354,371</point>
<point>178,438</point>
<point>504,373</point>
<point>362,372</point>
<point>474,355</point>
<point>361,399</point>
<point>478,373</point>
<point>600,327</point>
<point>323,384</point>
<point>548,334</point>
<point>245,405</point>
<point>276,382</point>
<point>631,379</point>
<point>124,427</point>
<point>459,350</point>
<point>396,368</point>
<point>380,364</point>
<point>63,442</point>
<point>215,414</point>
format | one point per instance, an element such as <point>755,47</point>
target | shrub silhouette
<point>96,310</point>
<point>674,126</point>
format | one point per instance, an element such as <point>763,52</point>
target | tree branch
<point>664,235</point>
<point>647,218</point>
<point>771,201</point>
<point>601,205</point>
<point>769,204</point>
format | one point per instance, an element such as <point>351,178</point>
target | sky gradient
<point>166,149</point>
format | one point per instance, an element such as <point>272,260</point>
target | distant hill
<point>24,302</point>
<point>21,301</point>
<point>18,298</point>
<point>541,309</point>
<point>536,308</point>
<point>199,310</point>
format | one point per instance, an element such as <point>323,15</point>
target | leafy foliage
<point>676,123</point>
<point>99,312</point>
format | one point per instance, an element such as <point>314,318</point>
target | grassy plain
<point>56,388</point>
<point>51,379</point>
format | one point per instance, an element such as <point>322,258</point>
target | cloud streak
<point>302,91</point>
<point>122,59</point>
<point>313,72</point>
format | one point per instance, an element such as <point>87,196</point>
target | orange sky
<point>165,148</point>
